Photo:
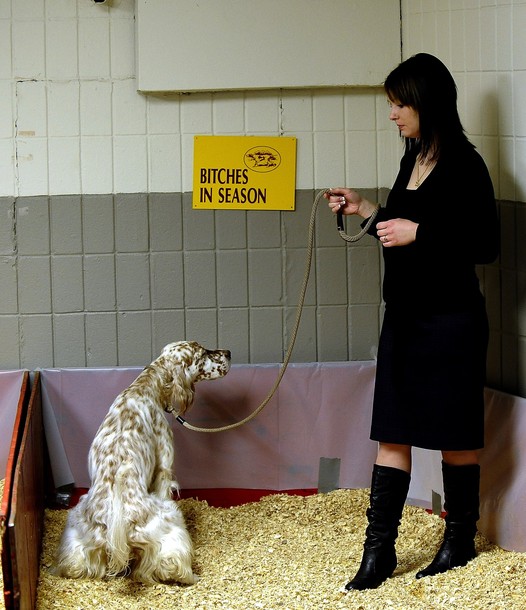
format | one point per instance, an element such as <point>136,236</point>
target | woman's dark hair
<point>424,83</point>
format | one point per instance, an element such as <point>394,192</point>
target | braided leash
<point>299,309</point>
<point>367,226</point>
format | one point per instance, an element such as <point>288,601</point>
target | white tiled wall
<point>483,42</point>
<point>73,131</point>
<point>71,120</point>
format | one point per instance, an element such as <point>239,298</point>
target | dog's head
<point>190,363</point>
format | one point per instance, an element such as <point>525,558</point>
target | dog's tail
<point>118,523</point>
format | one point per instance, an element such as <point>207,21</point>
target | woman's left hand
<point>396,232</point>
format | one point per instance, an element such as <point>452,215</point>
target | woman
<point>440,220</point>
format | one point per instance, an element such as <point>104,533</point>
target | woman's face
<point>406,119</point>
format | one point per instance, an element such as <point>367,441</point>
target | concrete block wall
<point>103,258</point>
<point>158,271</point>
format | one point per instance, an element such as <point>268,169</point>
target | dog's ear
<point>183,390</point>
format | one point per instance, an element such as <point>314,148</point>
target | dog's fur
<point>128,521</point>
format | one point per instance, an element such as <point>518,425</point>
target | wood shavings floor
<point>296,553</point>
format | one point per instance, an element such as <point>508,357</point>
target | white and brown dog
<point>128,522</point>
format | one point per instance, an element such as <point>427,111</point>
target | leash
<point>299,309</point>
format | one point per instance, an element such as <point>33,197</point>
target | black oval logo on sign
<point>262,159</point>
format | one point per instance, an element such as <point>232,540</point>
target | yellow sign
<point>244,173</point>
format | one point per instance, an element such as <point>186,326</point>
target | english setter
<point>128,521</point>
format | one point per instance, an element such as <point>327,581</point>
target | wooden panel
<point>210,45</point>
<point>16,440</point>
<point>26,514</point>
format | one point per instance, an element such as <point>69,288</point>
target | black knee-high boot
<point>461,502</point>
<point>389,487</point>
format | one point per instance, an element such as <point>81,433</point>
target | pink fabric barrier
<point>319,410</point>
<point>10,386</point>
<point>503,468</point>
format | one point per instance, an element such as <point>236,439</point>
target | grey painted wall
<point>102,280</point>
<point>108,280</point>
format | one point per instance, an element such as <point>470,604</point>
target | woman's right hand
<point>348,202</point>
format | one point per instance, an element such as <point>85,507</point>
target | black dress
<point>432,351</point>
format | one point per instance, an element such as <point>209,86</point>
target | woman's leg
<point>394,456</point>
<point>389,487</point>
<point>461,476</point>
<point>460,458</point>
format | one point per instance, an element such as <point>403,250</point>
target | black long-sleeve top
<point>457,229</point>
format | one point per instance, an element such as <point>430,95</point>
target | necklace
<point>428,165</point>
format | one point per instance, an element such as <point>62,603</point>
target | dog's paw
<point>190,580</point>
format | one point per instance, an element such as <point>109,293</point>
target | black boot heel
<point>376,567</point>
